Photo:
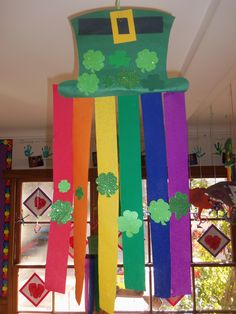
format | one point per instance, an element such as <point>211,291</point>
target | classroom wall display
<point>5,206</point>
<point>122,62</point>
<point>32,153</point>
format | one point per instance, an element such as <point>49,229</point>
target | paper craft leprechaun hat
<point>122,52</point>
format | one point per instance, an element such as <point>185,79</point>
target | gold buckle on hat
<point>118,37</point>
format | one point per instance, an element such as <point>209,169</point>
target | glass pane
<point>34,245</point>
<point>40,191</point>
<point>215,288</point>
<point>23,303</point>
<point>28,189</point>
<point>71,252</point>
<point>130,300</point>
<point>205,183</point>
<point>200,253</point>
<point>67,301</point>
<point>186,303</point>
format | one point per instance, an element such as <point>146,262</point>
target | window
<point>213,278</point>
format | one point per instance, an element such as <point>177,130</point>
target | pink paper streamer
<point>177,160</point>
<point>86,284</point>
<point>58,242</point>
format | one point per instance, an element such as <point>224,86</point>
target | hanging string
<point>118,4</point>
<point>232,109</point>
<point>232,128</point>
<point>211,143</point>
<point>200,163</point>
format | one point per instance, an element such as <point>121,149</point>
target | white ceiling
<point>36,50</point>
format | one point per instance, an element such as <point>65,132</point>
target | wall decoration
<point>34,290</point>
<point>217,197</point>
<point>120,247</point>
<point>46,151</point>
<point>28,150</point>
<point>122,53</point>
<point>5,205</point>
<point>71,242</point>
<point>228,157</point>
<point>213,240</point>
<point>38,202</point>
<point>35,161</point>
<point>95,36</point>
<point>174,300</point>
<point>32,152</point>
<point>192,159</point>
<point>198,152</point>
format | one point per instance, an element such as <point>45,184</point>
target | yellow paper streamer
<point>108,207</point>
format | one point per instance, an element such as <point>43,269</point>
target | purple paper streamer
<point>177,160</point>
<point>86,284</point>
<point>2,206</point>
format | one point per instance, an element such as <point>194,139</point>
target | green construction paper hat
<point>128,68</point>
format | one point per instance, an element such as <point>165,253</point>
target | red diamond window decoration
<point>120,241</point>
<point>34,290</point>
<point>174,300</point>
<point>213,240</point>
<point>71,242</point>
<point>38,202</point>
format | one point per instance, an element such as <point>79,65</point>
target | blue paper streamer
<point>157,187</point>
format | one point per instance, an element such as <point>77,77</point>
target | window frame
<point>17,178</point>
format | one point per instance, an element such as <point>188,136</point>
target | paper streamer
<point>131,188</point>
<point>177,160</point>
<point>156,166</point>
<point>96,288</point>
<point>91,284</point>
<point>82,123</point>
<point>86,285</point>
<point>57,255</point>
<point>106,139</point>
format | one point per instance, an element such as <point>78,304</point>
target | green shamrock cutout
<point>129,223</point>
<point>128,78</point>
<point>79,193</point>
<point>93,60</point>
<point>61,212</point>
<point>146,60</point>
<point>88,83</point>
<point>64,186</point>
<point>107,184</point>
<point>119,59</point>
<point>159,211</point>
<point>107,79</point>
<point>179,204</point>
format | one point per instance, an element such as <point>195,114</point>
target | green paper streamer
<point>131,188</point>
<point>129,223</point>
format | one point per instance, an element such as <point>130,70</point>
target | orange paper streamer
<point>82,123</point>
